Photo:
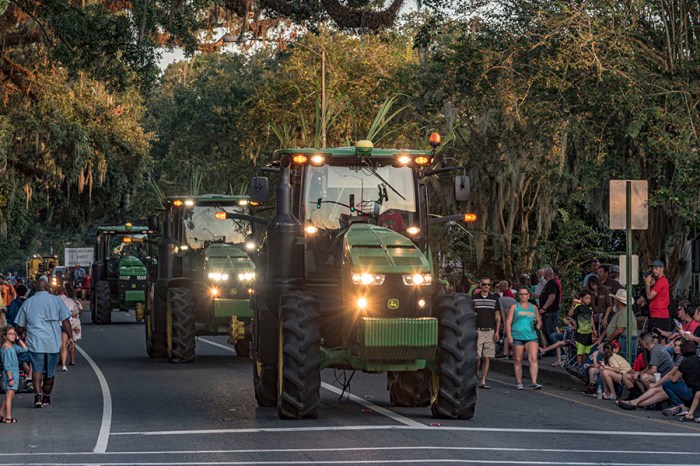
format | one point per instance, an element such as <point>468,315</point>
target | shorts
<point>524,342</point>
<point>485,346</point>
<point>582,349</point>
<point>44,362</point>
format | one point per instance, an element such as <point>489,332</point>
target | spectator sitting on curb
<point>659,361</point>
<point>685,313</point>
<point>656,393</point>
<point>591,367</point>
<point>676,387</point>
<point>613,370</point>
<point>690,416</point>
<point>695,335</point>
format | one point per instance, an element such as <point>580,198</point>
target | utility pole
<point>323,99</point>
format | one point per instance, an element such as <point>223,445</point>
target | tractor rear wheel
<point>299,364</point>
<point>454,385</point>
<point>103,303</point>
<point>265,383</point>
<point>410,388</point>
<point>182,324</point>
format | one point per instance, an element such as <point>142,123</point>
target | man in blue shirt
<point>42,316</point>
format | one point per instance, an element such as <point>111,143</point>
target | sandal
<point>556,364</point>
<point>627,406</point>
<point>9,420</point>
<point>687,419</point>
<point>485,387</point>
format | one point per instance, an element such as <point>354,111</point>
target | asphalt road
<point>118,407</point>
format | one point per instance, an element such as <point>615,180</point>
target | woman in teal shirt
<point>522,323</point>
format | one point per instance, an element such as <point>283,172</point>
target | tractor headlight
<point>142,277</point>
<point>362,303</point>
<point>250,246</point>
<point>368,279</point>
<point>217,277</point>
<point>418,279</point>
<point>124,277</point>
<point>246,277</point>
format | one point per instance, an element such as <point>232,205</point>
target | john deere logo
<point>392,304</point>
<point>234,291</point>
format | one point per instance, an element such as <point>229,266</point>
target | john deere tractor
<point>118,271</point>
<point>205,276</point>
<point>346,281</point>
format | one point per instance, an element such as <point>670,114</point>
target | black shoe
<point>501,356</point>
<point>46,400</point>
<point>37,401</point>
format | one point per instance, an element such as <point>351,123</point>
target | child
<point>10,370</point>
<point>614,370</point>
<point>582,312</point>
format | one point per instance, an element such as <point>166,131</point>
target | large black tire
<point>103,303</point>
<point>182,325</point>
<point>265,383</point>
<point>457,379</point>
<point>156,344</point>
<point>300,357</point>
<point>410,388</point>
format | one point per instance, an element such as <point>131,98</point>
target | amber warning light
<point>434,139</point>
<point>470,217</point>
<point>220,215</point>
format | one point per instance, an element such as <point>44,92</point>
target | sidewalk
<point>546,374</point>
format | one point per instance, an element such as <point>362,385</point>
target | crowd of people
<point>659,367</point>
<point>39,327</point>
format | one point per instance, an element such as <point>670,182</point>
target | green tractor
<point>347,281</point>
<point>119,272</point>
<point>205,276</point>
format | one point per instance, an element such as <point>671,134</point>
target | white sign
<point>78,256</point>
<point>639,204</point>
<point>623,270</point>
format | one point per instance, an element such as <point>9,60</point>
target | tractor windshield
<point>201,225</point>
<point>334,196</point>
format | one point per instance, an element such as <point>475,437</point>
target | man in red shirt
<point>659,297</point>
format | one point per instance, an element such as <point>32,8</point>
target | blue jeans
<point>622,339</point>
<point>549,324</point>
<point>678,392</point>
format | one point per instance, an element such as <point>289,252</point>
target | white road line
<point>219,345</point>
<point>361,401</point>
<point>103,437</point>
<point>369,449</point>
<point>401,461</point>
<point>501,430</point>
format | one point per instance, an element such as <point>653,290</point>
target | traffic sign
<point>623,270</point>
<point>639,204</point>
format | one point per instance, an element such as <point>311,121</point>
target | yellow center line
<point>618,411</point>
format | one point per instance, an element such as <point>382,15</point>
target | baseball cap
<point>616,268</point>
<point>657,263</point>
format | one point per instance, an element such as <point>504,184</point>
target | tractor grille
<point>397,339</point>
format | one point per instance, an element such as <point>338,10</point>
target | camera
<point>648,273</point>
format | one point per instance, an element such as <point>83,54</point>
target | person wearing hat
<point>617,328</point>
<point>42,316</point>
<point>659,297</point>
<point>615,273</point>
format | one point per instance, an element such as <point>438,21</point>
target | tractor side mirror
<point>153,222</point>
<point>259,189</point>
<point>462,188</point>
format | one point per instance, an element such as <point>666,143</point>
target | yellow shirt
<point>621,363</point>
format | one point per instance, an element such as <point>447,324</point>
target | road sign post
<point>635,216</point>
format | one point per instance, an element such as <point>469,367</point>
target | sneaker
<point>591,390</point>
<point>64,368</point>
<point>519,387</point>
<point>609,397</point>
<point>682,412</point>
<point>46,401</point>
<point>536,386</point>
<point>37,401</point>
<point>672,411</point>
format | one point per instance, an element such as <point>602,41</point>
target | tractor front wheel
<point>103,303</point>
<point>182,329</point>
<point>454,385</point>
<point>299,363</point>
<point>265,383</point>
<point>409,388</point>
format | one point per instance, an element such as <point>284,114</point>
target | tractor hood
<point>130,266</point>
<point>377,249</point>
<point>222,257</point>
